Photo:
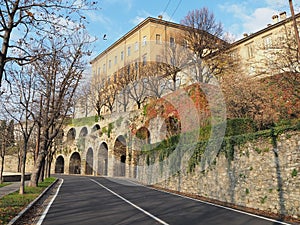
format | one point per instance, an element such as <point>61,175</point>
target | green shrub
<point>239,126</point>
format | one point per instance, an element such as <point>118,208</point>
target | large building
<point>143,43</point>
<point>262,53</point>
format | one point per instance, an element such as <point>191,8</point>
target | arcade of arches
<point>87,151</point>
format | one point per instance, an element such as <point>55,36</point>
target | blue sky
<point>117,17</point>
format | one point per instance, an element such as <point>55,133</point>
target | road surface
<point>98,200</point>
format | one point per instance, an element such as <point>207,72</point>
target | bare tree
<point>203,37</point>
<point>156,83</point>
<point>123,79</point>
<point>281,57</point>
<point>97,92</point>
<point>175,59</point>
<point>60,73</point>
<point>83,97</point>
<point>109,94</point>
<point>2,147</point>
<point>35,20</point>
<point>249,98</point>
<point>20,105</point>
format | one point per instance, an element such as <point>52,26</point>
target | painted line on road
<point>49,205</point>
<point>135,206</point>
<point>220,206</point>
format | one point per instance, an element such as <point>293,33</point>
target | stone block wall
<point>259,176</point>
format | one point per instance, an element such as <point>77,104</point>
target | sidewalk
<point>14,186</point>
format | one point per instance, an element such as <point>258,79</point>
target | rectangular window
<point>122,55</point>
<point>136,46</point>
<point>116,60</point>
<point>128,51</point>
<point>144,40</point>
<point>172,41</point>
<point>250,51</point>
<point>157,39</point>
<point>185,43</point>
<point>172,60</point>
<point>104,68</point>
<point>267,42</point>
<point>144,59</point>
<point>158,58</point>
<point>99,70</point>
<point>109,64</point>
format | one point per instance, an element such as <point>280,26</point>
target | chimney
<point>245,35</point>
<point>160,17</point>
<point>275,18</point>
<point>282,15</point>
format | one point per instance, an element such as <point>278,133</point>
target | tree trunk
<point>36,171</point>
<point>2,161</point>
<point>23,166</point>
<point>2,168</point>
<point>42,170</point>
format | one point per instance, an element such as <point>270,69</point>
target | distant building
<point>257,52</point>
<point>143,43</point>
<point>261,52</point>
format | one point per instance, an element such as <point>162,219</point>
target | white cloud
<point>258,20</point>
<point>142,15</point>
<point>98,17</point>
<point>249,19</point>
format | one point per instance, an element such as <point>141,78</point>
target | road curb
<point>20,214</point>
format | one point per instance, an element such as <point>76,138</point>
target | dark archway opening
<point>96,127</point>
<point>83,132</point>
<point>59,165</point>
<point>71,134</point>
<point>120,156</point>
<point>75,164</point>
<point>103,159</point>
<point>89,162</point>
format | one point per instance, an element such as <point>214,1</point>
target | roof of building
<point>180,26</point>
<point>143,23</point>
<point>268,28</point>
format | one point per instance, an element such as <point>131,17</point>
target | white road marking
<point>220,206</point>
<point>135,206</point>
<point>49,205</point>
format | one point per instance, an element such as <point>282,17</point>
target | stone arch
<point>59,164</point>
<point>71,134</point>
<point>143,134</point>
<point>89,162</point>
<point>95,128</point>
<point>120,156</point>
<point>83,132</point>
<point>75,163</point>
<point>103,159</point>
<point>173,126</point>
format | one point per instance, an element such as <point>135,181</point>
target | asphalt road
<point>105,201</point>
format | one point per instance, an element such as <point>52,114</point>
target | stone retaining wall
<point>258,177</point>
